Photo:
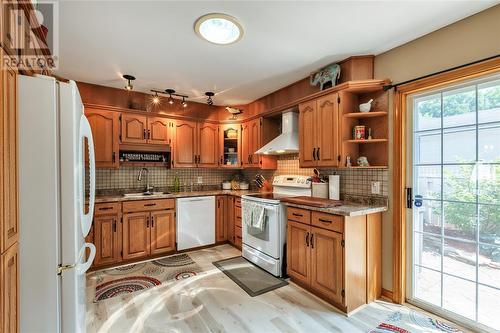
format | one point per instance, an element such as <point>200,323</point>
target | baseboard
<point>387,294</point>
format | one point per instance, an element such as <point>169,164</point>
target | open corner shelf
<point>366,114</point>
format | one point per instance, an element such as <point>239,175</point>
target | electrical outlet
<point>375,187</point>
<point>199,180</point>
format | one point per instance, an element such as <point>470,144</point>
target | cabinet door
<point>105,132</point>
<point>134,128</point>
<point>327,263</point>
<point>298,252</point>
<point>107,239</point>
<point>9,226</point>
<point>245,144</point>
<point>307,134</point>
<point>208,153</point>
<point>327,125</point>
<point>185,144</point>
<point>230,146</point>
<point>163,231</point>
<point>136,235</point>
<point>254,142</point>
<point>221,219</point>
<point>158,130</point>
<point>9,277</point>
<point>230,218</point>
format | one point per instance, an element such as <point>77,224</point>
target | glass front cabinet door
<point>230,137</point>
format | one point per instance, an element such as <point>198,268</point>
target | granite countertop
<point>118,197</point>
<point>347,209</point>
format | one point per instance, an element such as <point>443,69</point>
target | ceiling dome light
<point>219,29</point>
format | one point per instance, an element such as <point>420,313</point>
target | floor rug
<point>252,279</point>
<point>136,277</point>
<point>411,321</point>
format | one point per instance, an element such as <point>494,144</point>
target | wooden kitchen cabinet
<point>230,218</point>
<point>105,132</point>
<point>9,290</point>
<point>335,257</point>
<point>9,226</point>
<point>255,134</point>
<point>230,146</point>
<point>319,139</point>
<point>136,235</point>
<point>208,143</point>
<point>134,128</point>
<point>163,231</point>
<point>106,233</point>
<point>185,144</point>
<point>158,130</point>
<point>221,218</point>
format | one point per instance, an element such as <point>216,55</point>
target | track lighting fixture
<point>209,95</point>
<point>156,98</point>
<point>184,103</point>
<point>129,78</point>
<point>170,92</point>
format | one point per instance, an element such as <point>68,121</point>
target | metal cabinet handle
<point>152,222</point>
<point>312,243</point>
<point>144,134</point>
<point>105,208</point>
<point>325,221</point>
<point>307,239</point>
<point>314,154</point>
<point>317,154</point>
<point>114,225</point>
<point>113,157</point>
<point>149,204</point>
<point>147,222</point>
<point>295,214</point>
<point>149,134</point>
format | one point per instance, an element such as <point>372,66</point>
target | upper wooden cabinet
<point>254,134</point>
<point>319,139</point>
<point>134,128</point>
<point>105,132</point>
<point>158,130</point>
<point>230,146</point>
<point>185,144</point>
<point>208,143</point>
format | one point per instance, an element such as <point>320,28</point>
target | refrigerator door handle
<point>86,132</point>
<point>86,265</point>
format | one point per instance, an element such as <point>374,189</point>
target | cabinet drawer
<point>107,208</point>
<point>237,216</point>
<point>146,205</point>
<point>237,202</point>
<point>237,237</point>
<point>299,215</point>
<point>328,221</point>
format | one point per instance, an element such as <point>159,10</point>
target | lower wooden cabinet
<point>136,235</point>
<point>230,218</point>
<point>9,302</point>
<point>221,218</point>
<point>335,257</point>
<point>163,231</point>
<point>107,239</point>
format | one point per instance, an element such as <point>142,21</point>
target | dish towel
<point>258,217</point>
<point>247,213</point>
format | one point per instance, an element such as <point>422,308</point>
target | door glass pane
<point>428,217</point>
<point>459,107</point>
<point>428,182</point>
<point>456,174</point>
<point>459,145</point>
<point>427,251</point>
<point>489,265</point>
<point>488,299</point>
<point>459,258</point>
<point>459,296</point>
<point>459,183</point>
<point>489,101</point>
<point>427,285</point>
<point>460,220</point>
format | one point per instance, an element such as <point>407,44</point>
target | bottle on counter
<point>177,183</point>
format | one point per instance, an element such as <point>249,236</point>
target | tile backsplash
<point>353,182</point>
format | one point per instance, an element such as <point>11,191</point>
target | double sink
<point>144,194</point>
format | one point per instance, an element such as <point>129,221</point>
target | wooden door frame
<point>400,159</point>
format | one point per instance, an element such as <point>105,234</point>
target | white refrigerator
<point>52,215</point>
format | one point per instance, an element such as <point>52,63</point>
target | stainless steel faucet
<point>139,178</point>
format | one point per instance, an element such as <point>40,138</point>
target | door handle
<point>147,222</point>
<point>113,157</point>
<point>114,225</point>
<point>149,204</point>
<point>307,239</point>
<point>317,154</point>
<point>144,134</point>
<point>149,134</point>
<point>312,243</point>
<point>325,221</point>
<point>152,222</point>
<point>314,154</point>
<point>295,214</point>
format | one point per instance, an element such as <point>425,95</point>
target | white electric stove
<point>265,247</point>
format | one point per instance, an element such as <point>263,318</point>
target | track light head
<point>170,92</point>
<point>129,78</point>
<point>184,103</point>
<point>209,95</point>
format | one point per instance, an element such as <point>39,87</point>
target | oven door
<point>268,239</point>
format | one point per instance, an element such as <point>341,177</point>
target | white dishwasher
<point>195,222</point>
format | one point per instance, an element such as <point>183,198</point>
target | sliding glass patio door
<point>454,230</point>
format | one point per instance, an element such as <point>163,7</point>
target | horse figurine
<point>330,73</point>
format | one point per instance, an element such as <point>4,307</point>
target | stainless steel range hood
<point>288,141</point>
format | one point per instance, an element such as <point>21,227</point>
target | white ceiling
<point>284,41</point>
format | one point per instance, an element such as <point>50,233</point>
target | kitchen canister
<point>320,190</point>
<point>359,132</point>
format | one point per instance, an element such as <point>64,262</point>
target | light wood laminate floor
<point>211,302</point>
